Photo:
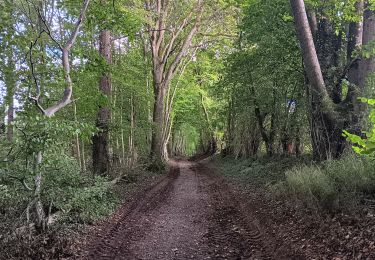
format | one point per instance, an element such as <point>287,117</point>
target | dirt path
<point>191,214</point>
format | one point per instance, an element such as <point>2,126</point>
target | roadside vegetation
<point>335,186</point>
<point>97,96</point>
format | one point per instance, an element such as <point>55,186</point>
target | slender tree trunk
<point>122,140</point>
<point>77,143</point>
<point>10,115</point>
<point>10,83</point>
<point>212,142</point>
<point>132,148</point>
<point>49,112</point>
<point>40,214</point>
<point>148,88</point>
<point>83,156</point>
<point>101,140</point>
<point>228,150</point>
<point>309,54</point>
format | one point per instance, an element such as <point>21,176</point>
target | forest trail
<point>190,214</point>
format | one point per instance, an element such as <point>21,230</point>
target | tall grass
<point>332,186</point>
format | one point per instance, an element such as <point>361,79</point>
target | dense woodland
<point>92,92</point>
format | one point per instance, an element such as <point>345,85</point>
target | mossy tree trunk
<point>331,112</point>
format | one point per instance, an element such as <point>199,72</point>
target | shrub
<point>79,196</point>
<point>64,188</point>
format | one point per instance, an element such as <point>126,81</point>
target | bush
<point>79,196</point>
<point>331,186</point>
<point>64,188</point>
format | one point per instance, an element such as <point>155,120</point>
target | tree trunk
<point>313,22</point>
<point>158,142</point>
<point>10,90</point>
<point>355,36</point>
<point>326,123</point>
<point>132,147</point>
<point>310,57</point>
<point>100,155</point>
<point>169,49</point>
<point>212,142</point>
<point>10,114</point>
<point>228,150</point>
<point>83,156</point>
<point>355,41</point>
<point>367,65</point>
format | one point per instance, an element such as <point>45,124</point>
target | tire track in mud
<point>191,214</point>
<point>108,244</point>
<point>233,233</point>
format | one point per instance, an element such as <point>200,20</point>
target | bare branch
<point>48,30</point>
<point>184,48</point>
<point>219,35</point>
<point>66,99</point>
<point>168,48</point>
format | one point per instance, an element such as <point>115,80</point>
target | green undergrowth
<point>258,170</point>
<point>77,199</point>
<point>342,185</point>
<point>78,196</point>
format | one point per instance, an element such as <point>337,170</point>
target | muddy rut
<point>190,214</point>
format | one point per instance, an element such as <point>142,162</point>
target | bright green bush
<point>365,146</point>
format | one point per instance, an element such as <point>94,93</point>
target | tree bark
<point>212,145</point>
<point>8,67</point>
<point>355,36</point>
<point>101,139</point>
<point>355,41</point>
<point>367,65</point>
<point>313,22</point>
<point>10,84</point>
<point>326,123</point>
<point>309,54</point>
<point>157,139</point>
<point>268,138</point>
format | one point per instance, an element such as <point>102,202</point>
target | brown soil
<point>190,214</point>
